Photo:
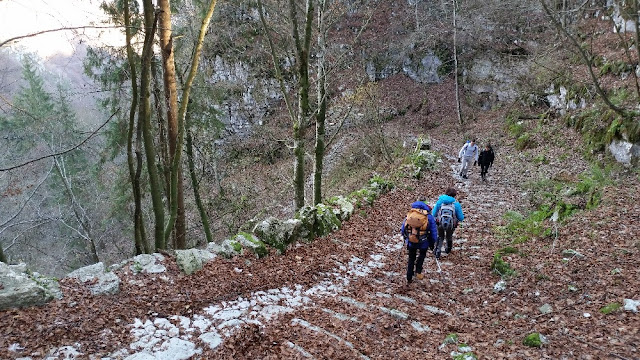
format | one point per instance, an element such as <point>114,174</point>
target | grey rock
<point>500,286</point>
<point>545,309</point>
<point>343,208</point>
<point>424,71</point>
<point>631,305</point>
<point>148,263</point>
<point>20,290</point>
<point>192,260</point>
<point>572,253</point>
<point>227,249</point>
<point>107,283</point>
<point>624,152</point>
<point>249,241</point>
<point>278,234</point>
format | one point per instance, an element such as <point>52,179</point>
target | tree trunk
<point>300,124</point>
<point>2,257</point>
<point>196,185</point>
<point>322,106</point>
<point>182,117</point>
<point>165,163</point>
<point>299,119</point>
<point>176,199</point>
<point>134,165</point>
<point>150,21</point>
<point>455,61</point>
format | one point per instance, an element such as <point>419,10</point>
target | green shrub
<point>525,141</point>
<point>610,308</point>
<point>519,229</point>
<point>501,267</point>
<point>513,125</point>
<point>532,340</point>
<point>423,160</point>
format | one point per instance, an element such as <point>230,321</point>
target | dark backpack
<point>416,224</point>
<point>447,216</point>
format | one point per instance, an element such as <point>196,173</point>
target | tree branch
<point>65,151</point>
<point>2,228</point>
<point>54,30</point>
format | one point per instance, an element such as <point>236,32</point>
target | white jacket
<point>469,151</point>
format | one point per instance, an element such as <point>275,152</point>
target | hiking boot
<point>419,276</point>
<point>447,250</point>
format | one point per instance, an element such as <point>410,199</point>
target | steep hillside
<point>345,295</point>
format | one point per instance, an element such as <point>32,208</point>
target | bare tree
<point>301,36</point>
<point>135,166</point>
<point>455,61</point>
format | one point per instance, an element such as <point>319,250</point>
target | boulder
<point>317,221</point>
<point>148,263</point>
<point>624,152</point>
<point>192,260</point>
<point>342,208</point>
<point>423,160</point>
<point>227,249</point>
<point>278,234</point>
<point>105,282</point>
<point>561,100</point>
<point>249,241</point>
<point>18,289</point>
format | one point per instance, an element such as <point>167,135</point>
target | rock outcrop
<point>19,289</point>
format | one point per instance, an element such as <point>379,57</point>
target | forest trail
<point>345,296</point>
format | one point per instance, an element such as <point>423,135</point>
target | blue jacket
<point>427,239</point>
<point>446,199</point>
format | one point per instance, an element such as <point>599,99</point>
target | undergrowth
<point>554,200</point>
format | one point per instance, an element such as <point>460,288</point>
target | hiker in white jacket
<point>468,153</point>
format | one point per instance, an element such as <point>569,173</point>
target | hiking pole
<point>440,271</point>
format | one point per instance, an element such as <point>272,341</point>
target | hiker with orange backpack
<point>420,234</point>
<point>448,213</point>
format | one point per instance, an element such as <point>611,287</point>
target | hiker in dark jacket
<point>426,240</point>
<point>448,201</point>
<point>485,159</point>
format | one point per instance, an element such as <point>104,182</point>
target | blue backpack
<point>447,216</point>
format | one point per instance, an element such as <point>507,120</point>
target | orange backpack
<point>416,224</point>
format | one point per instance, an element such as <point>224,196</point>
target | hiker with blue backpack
<point>448,213</point>
<point>420,234</point>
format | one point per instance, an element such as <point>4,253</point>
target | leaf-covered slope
<point>353,300</point>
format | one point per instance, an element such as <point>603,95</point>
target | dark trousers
<point>483,170</point>
<point>412,261</point>
<point>442,233</point>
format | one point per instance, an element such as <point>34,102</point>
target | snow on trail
<point>163,339</point>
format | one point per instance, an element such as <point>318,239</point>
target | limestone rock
<point>249,241</point>
<point>342,207</point>
<point>278,234</point>
<point>227,249</point>
<point>317,221</point>
<point>19,289</point>
<point>192,260</point>
<point>624,151</point>
<point>106,282</point>
<point>148,263</point>
<point>631,305</point>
